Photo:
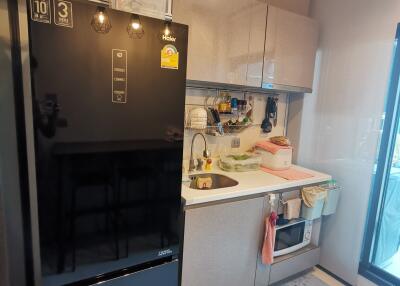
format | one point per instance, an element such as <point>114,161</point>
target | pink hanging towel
<point>269,239</point>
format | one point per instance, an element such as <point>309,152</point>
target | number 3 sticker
<point>63,13</point>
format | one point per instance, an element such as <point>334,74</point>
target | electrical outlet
<point>235,143</point>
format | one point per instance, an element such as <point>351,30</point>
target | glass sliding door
<point>380,261</point>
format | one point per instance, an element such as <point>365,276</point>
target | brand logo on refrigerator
<point>168,38</point>
<point>165,252</point>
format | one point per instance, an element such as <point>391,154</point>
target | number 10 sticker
<point>40,11</point>
<point>63,13</point>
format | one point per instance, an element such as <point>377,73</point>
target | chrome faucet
<point>206,152</point>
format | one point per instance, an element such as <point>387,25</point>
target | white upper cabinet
<point>161,9</point>
<point>249,43</point>
<point>290,49</point>
<point>226,39</point>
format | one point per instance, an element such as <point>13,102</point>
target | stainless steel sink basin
<point>218,181</point>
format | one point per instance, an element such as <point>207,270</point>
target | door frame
<point>381,178</point>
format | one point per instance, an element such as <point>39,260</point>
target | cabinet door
<point>219,34</point>
<point>258,12</point>
<point>221,244</point>
<point>202,45</point>
<point>160,9</point>
<point>290,48</point>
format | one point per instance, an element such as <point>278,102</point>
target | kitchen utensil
<point>274,111</point>
<point>266,125</point>
<point>217,120</point>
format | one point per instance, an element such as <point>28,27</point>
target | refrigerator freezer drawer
<point>162,275</point>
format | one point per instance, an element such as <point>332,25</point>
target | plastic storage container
<point>332,198</point>
<point>240,162</point>
<point>281,160</point>
<point>314,212</point>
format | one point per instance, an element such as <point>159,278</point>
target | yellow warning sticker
<point>169,57</point>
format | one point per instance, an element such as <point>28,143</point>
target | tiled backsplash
<point>247,138</point>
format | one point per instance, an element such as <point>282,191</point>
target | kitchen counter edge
<point>238,193</point>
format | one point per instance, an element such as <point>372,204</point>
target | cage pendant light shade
<point>100,21</point>
<point>135,29</point>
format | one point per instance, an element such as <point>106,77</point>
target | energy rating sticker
<point>40,11</point>
<point>169,57</point>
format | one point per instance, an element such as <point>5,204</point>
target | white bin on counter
<point>331,201</point>
<point>316,198</point>
<point>282,160</point>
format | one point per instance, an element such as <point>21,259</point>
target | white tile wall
<point>248,137</point>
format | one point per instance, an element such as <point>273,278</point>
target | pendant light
<point>100,21</point>
<point>167,28</point>
<point>135,28</point>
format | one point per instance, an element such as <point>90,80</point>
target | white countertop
<point>250,183</point>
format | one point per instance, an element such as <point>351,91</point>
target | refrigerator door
<point>108,120</point>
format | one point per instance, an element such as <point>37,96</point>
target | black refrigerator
<point>108,108</point>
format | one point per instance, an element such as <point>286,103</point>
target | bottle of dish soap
<point>208,166</point>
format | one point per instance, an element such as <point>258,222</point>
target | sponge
<point>204,183</point>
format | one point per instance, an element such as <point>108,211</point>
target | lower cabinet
<point>222,243</point>
<point>222,247</point>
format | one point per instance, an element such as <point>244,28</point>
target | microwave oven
<point>292,236</point>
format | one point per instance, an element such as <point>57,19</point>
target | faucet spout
<point>206,152</point>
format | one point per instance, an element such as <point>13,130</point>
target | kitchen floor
<point>316,277</point>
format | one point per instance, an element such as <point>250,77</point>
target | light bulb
<point>167,30</point>
<point>101,18</point>
<point>135,25</point>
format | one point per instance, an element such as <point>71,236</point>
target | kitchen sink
<point>218,181</point>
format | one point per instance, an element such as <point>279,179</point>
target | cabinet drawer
<point>296,264</point>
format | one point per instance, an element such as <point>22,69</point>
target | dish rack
<point>230,123</point>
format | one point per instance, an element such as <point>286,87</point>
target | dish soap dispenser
<point>208,166</point>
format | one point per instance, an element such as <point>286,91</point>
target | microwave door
<point>290,238</point>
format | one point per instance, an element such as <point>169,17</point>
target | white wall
<point>336,129</point>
